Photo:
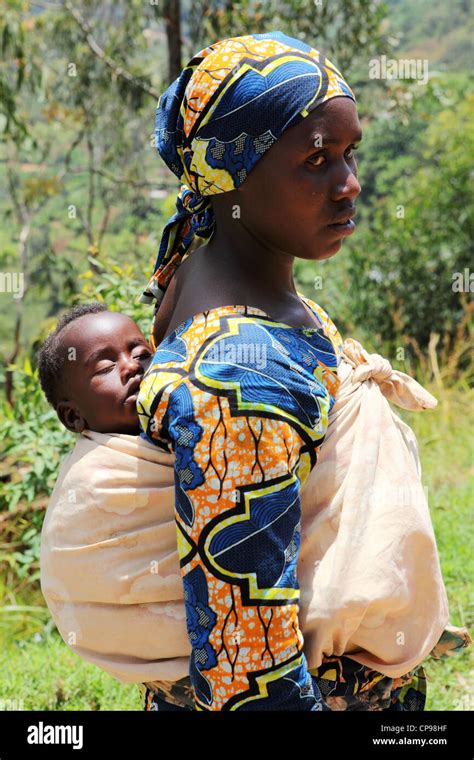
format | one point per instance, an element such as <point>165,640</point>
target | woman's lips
<point>131,399</point>
<point>344,228</point>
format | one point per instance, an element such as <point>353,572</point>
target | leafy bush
<point>393,283</point>
<point>32,440</point>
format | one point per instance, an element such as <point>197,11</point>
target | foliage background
<point>84,197</point>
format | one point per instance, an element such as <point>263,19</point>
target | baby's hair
<point>52,353</point>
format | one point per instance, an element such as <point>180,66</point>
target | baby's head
<point>90,369</point>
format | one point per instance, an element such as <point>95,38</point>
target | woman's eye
<point>145,355</point>
<point>350,151</point>
<point>319,159</point>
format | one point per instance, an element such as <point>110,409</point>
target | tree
<point>80,82</point>
<point>408,263</point>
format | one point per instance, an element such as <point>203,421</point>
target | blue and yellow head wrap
<point>232,101</point>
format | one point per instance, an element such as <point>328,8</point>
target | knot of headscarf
<point>229,105</point>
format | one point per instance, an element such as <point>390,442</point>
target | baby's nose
<point>132,365</point>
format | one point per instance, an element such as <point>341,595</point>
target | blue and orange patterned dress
<point>243,402</point>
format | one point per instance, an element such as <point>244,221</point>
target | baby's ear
<point>70,416</point>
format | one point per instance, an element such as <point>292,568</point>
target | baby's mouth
<point>132,392</point>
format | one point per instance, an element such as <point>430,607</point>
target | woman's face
<point>305,183</point>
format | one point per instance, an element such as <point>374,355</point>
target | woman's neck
<point>225,272</point>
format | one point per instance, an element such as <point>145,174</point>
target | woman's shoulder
<point>176,353</point>
<point>239,354</point>
<point>329,327</point>
<point>177,359</point>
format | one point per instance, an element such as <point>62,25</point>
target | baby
<point>110,571</point>
<point>90,369</point>
<point>109,564</point>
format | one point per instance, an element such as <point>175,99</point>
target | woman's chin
<point>334,251</point>
<point>327,251</point>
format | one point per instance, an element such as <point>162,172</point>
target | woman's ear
<point>70,416</point>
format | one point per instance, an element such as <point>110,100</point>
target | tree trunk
<point>171,15</point>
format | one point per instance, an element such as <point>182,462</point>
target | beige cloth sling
<point>368,569</point>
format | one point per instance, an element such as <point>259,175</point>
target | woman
<point>263,130</point>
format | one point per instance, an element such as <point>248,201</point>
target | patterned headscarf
<point>229,105</point>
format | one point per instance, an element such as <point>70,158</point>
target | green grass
<point>40,672</point>
<point>446,451</point>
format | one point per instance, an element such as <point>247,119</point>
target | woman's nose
<point>347,187</point>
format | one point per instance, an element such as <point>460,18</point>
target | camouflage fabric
<point>363,689</point>
<point>452,641</point>
<point>177,693</point>
<point>344,683</point>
